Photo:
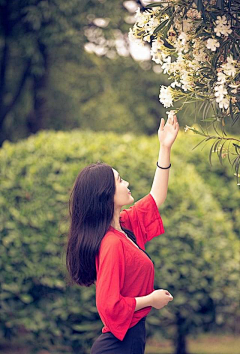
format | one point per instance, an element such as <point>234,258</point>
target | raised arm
<point>166,134</point>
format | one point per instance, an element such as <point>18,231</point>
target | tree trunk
<point>7,28</point>
<point>35,119</point>
<point>180,342</point>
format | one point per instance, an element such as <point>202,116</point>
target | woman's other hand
<point>160,298</point>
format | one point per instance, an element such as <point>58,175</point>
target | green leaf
<point>204,34</point>
<point>159,27</point>
<point>196,131</point>
<point>214,60</point>
<point>155,4</point>
<point>220,4</point>
<point>220,152</point>
<point>208,120</point>
<point>213,15</point>
<point>212,149</point>
<point>206,109</point>
<point>198,144</point>
<point>167,44</point>
<point>200,8</point>
<point>237,146</point>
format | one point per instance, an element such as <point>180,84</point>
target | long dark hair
<point>91,209</point>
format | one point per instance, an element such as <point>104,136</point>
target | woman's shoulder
<point>111,247</point>
<point>111,239</point>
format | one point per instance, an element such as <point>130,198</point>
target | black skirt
<point>133,342</point>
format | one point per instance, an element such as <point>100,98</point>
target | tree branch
<point>3,71</point>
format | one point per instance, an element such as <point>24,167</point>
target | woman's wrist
<point>143,301</point>
<point>164,156</point>
<point>162,146</point>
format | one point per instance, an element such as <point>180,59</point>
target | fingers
<point>174,121</point>
<point>168,293</point>
<point>162,124</point>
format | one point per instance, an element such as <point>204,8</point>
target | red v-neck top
<point>123,270</point>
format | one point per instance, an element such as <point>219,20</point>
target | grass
<point>203,344</point>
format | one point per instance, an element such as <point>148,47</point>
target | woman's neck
<point>116,220</point>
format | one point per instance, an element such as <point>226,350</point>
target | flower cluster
<point>199,55</point>
<point>225,72</point>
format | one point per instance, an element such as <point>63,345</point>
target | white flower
<point>226,30</point>
<point>200,55</point>
<point>183,37</point>
<point>134,37</point>
<point>220,91</point>
<point>194,65</point>
<point>157,51</point>
<point>186,81</point>
<point>147,38</point>
<point>131,35</point>
<point>152,24</point>
<point>155,10</point>
<point>228,67</point>
<point>167,64</point>
<point>230,60</point>
<point>165,96</point>
<point>234,88</point>
<point>221,77</point>
<point>221,21</point>
<point>180,64</point>
<point>198,51</point>
<point>187,25</point>
<point>224,103</point>
<point>180,58</point>
<point>142,18</point>
<point>212,44</point>
<point>221,100</point>
<point>223,27</point>
<point>192,13</point>
<point>178,24</point>
<point>175,83</point>
<point>181,44</point>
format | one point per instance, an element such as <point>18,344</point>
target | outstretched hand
<point>167,133</point>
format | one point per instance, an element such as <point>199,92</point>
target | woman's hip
<point>133,342</point>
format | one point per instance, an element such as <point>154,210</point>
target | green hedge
<point>196,259</point>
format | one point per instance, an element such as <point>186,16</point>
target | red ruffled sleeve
<point>143,219</point>
<point>115,310</point>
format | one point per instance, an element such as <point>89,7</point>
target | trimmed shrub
<point>195,259</point>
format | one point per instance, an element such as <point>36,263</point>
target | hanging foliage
<point>196,43</point>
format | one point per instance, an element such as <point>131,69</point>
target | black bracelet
<point>164,168</point>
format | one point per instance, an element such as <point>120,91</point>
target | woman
<point>106,247</point>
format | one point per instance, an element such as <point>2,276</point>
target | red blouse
<point>123,270</point>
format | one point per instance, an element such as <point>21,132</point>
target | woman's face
<point>122,194</point>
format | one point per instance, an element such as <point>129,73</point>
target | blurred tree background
<point>49,81</point>
<point>67,65</point>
